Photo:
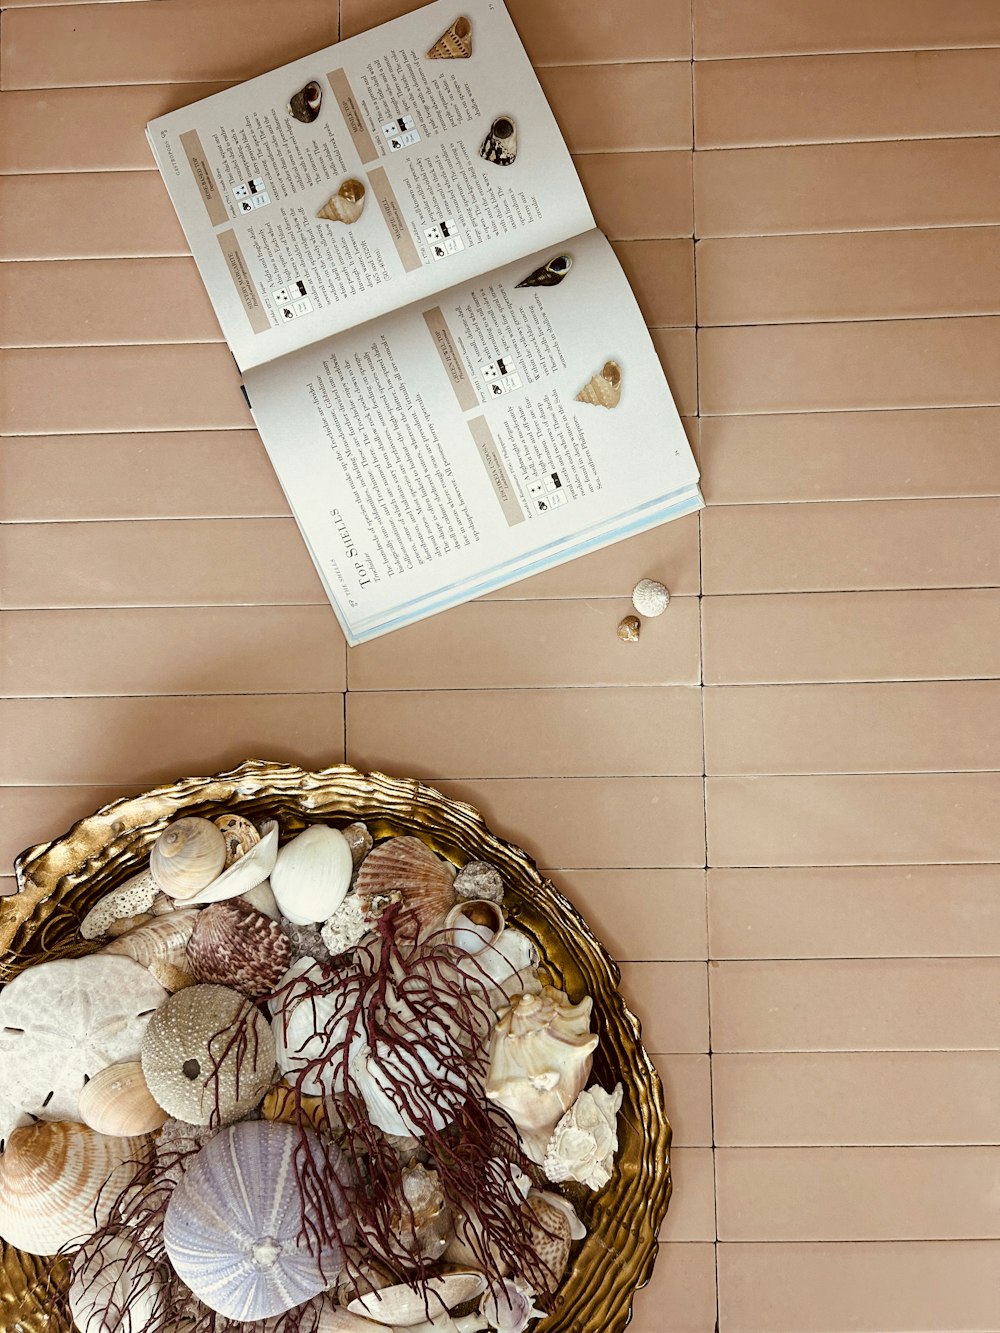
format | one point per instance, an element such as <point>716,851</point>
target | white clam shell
<point>117,1282</point>
<point>312,874</point>
<point>117,1101</point>
<point>244,875</point>
<point>187,855</point>
<point>401,1306</point>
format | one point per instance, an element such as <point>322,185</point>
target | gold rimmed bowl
<point>60,881</point>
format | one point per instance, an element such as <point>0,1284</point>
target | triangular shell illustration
<point>500,145</point>
<point>346,205</point>
<point>306,103</point>
<point>455,43</point>
<point>550,274</point>
<point>603,389</point>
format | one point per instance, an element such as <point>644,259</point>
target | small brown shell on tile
<point>629,629</point>
<point>117,1101</point>
<point>305,104</point>
<point>130,899</point>
<point>549,1230</point>
<point>235,945</point>
<point>187,856</point>
<point>240,836</point>
<point>405,865</point>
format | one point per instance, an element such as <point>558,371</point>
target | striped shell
<point>233,1226</point>
<point>187,855</point>
<point>235,945</point>
<point>116,1101</point>
<point>58,1180</point>
<point>160,945</point>
<point>208,1055</point>
<point>405,865</point>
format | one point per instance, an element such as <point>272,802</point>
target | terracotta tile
<point>639,195</point>
<point>678,353</point>
<point>642,914</point>
<point>776,27</point>
<point>841,547</point>
<point>819,99</point>
<point>90,129</point>
<point>167,563</point>
<point>849,275</point>
<point>668,553</point>
<point>864,1004</point>
<point>867,819</point>
<point>57,303</point>
<point>935,726</point>
<point>119,389</point>
<point>687,1089</point>
<point>621,108</point>
<point>589,821</point>
<point>931,634</point>
<point>146,43</point>
<point>691,1214</point>
<point>53,741</point>
<point>850,455</point>
<point>528,733</point>
<point>823,367</point>
<point>887,1287</point>
<point>865,1098</point>
<point>847,187</point>
<point>555,33</point>
<point>680,1296</point>
<point>172,650</point>
<point>34,815</point>
<point>536,643</point>
<point>361,15</point>
<point>88,215</point>
<point>857,1193</point>
<point>671,1002</point>
<point>8,886</point>
<point>661,274</point>
<point>171,474</point>
<point>854,912</point>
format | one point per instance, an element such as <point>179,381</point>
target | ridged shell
<point>162,940</point>
<point>208,1055</point>
<point>187,855</point>
<point>58,1180</point>
<point>410,867</point>
<point>603,389</point>
<point>235,945</point>
<point>116,1278</point>
<point>346,205</point>
<point>246,873</point>
<point>232,1227</point>
<point>240,836</point>
<point>117,1101</point>
<point>400,1305</point>
<point>129,899</point>
<point>650,598</point>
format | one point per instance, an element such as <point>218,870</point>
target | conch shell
<point>346,205</point>
<point>540,1060</point>
<point>604,389</point>
<point>584,1142</point>
<point>500,145</point>
<point>550,274</point>
<point>187,856</point>
<point>455,43</point>
<point>58,1181</point>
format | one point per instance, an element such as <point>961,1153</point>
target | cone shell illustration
<point>306,103</point>
<point>550,274</point>
<point>455,43</point>
<point>604,389</point>
<point>346,205</point>
<point>500,145</point>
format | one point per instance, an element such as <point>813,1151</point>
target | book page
<point>488,432</point>
<point>367,176</point>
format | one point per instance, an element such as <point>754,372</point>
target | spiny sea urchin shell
<point>405,865</point>
<point>235,945</point>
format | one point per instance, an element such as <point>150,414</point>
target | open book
<point>441,352</point>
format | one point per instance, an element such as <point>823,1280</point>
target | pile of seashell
<point>317,1086</point>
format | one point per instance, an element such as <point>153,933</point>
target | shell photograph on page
<point>288,1051</point>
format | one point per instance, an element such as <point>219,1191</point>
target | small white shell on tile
<point>650,598</point>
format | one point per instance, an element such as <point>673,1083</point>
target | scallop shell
<point>603,389</point>
<point>550,274</point>
<point>305,104</point>
<point>187,855</point>
<point>455,43</point>
<point>346,205</point>
<point>650,598</point>
<point>235,945</point>
<point>160,943</point>
<point>246,873</point>
<point>116,1278</point>
<point>479,879</point>
<point>500,145</point>
<point>406,865</point>
<point>240,836</point>
<point>629,629</point>
<point>550,1232</point>
<point>58,1181</point>
<point>233,1227</point>
<point>132,898</point>
<point>208,1055</point>
<point>401,1305</point>
<point>117,1101</point>
<point>312,874</point>
<point>61,1023</point>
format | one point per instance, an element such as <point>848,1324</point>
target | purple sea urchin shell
<point>235,945</point>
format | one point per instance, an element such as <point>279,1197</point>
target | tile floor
<point>780,808</point>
